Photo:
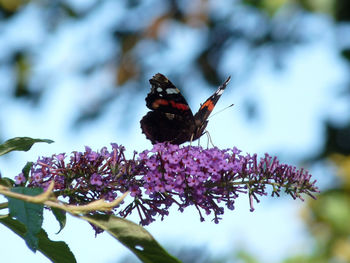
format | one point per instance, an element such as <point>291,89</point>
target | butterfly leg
<point>191,139</point>
<point>209,139</point>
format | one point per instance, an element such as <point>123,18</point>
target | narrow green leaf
<point>20,144</point>
<point>31,215</point>
<point>60,216</point>
<point>26,169</point>
<point>134,237</point>
<point>56,251</point>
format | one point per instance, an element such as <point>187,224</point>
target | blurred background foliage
<point>138,39</point>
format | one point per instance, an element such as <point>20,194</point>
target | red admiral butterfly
<point>171,119</point>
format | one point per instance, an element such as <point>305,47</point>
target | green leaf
<point>134,237</point>
<point>8,182</point>
<point>26,169</point>
<point>60,216</point>
<point>31,215</point>
<point>20,144</point>
<point>56,251</point>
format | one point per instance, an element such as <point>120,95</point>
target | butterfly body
<point>171,119</point>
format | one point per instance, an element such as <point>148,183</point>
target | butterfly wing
<point>205,110</point>
<point>170,118</point>
<point>162,127</point>
<point>165,97</point>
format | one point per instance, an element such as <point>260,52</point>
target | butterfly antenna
<point>221,110</point>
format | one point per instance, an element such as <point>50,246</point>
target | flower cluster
<point>207,179</point>
<point>86,177</point>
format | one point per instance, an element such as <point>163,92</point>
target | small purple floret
<point>96,179</point>
<point>20,179</point>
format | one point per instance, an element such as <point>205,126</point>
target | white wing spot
<point>172,91</point>
<point>219,91</point>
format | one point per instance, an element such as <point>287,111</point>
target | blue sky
<point>291,105</point>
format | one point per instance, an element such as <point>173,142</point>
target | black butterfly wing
<point>200,118</point>
<point>165,97</point>
<point>170,118</point>
<point>162,127</point>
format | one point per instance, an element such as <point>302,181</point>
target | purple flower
<point>167,175</point>
<point>60,157</point>
<point>135,191</point>
<point>96,179</point>
<point>37,177</point>
<point>149,188</point>
<point>20,179</point>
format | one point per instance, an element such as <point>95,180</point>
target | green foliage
<point>26,169</point>
<point>20,144</point>
<point>60,216</point>
<point>245,257</point>
<point>31,215</point>
<point>346,53</point>
<point>332,210</point>
<point>56,251</point>
<point>134,237</point>
<point>8,182</point>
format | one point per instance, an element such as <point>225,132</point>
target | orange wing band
<point>179,106</point>
<point>162,102</point>
<point>210,105</point>
<point>159,102</point>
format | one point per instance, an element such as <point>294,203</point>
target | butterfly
<point>170,119</point>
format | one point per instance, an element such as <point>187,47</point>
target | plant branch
<point>47,198</point>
